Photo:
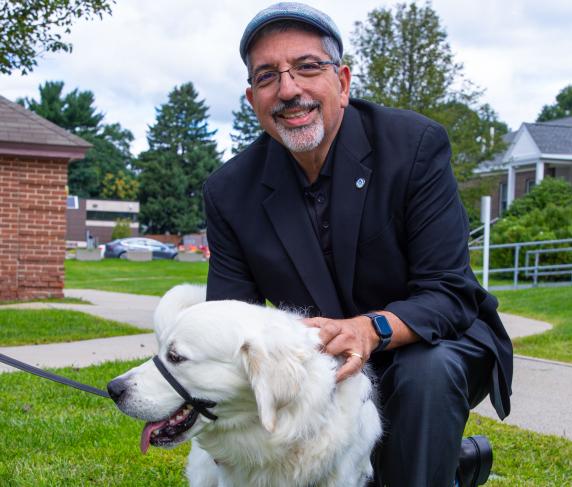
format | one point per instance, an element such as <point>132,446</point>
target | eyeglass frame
<point>321,64</point>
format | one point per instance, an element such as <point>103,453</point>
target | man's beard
<point>300,139</point>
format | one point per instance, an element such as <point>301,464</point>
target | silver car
<point>119,248</point>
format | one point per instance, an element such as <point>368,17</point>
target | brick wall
<point>32,227</point>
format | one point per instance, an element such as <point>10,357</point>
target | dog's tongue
<point>146,434</point>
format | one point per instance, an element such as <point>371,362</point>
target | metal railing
<point>479,239</point>
<point>533,270</point>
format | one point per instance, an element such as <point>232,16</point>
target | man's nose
<point>288,88</point>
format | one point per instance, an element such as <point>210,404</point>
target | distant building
<point>534,151</point>
<point>34,157</point>
<point>97,218</point>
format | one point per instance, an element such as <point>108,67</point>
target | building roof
<point>24,133</point>
<point>551,137</point>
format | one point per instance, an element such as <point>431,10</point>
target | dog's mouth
<point>167,431</point>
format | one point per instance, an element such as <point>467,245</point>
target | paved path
<point>542,390</point>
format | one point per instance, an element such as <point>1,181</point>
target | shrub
<point>543,214</point>
<point>550,191</point>
<point>121,229</point>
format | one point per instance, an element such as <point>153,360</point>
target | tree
<point>110,153</point>
<point>30,28</point>
<point>181,155</point>
<point>562,108</point>
<point>122,229</point>
<point>120,186</point>
<point>245,126</point>
<point>74,112</point>
<point>403,60</point>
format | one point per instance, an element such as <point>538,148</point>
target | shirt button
<point>321,198</point>
<point>325,225</point>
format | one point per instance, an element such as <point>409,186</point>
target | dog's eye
<point>174,357</point>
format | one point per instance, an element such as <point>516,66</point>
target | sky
<point>518,51</point>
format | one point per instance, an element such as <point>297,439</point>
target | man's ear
<point>345,77</point>
<point>249,96</point>
<point>275,377</point>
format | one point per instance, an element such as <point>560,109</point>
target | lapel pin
<point>360,183</point>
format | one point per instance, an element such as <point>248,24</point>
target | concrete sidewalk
<point>542,390</point>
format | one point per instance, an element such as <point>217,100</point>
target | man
<point>350,211</point>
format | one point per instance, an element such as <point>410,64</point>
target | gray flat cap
<point>289,11</point>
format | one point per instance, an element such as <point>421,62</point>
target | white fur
<point>282,419</point>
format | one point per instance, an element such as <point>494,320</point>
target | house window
<point>110,216</point>
<point>503,197</point>
<point>528,185</point>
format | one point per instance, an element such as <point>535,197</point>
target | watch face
<point>383,326</point>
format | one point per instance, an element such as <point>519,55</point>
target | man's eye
<point>174,357</point>
<point>266,77</point>
<point>308,68</point>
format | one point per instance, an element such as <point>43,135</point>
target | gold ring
<point>355,354</point>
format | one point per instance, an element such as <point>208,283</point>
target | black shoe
<point>475,461</point>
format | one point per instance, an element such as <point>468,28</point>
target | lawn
<point>55,435</point>
<point>552,305</point>
<point>152,278</point>
<point>32,327</point>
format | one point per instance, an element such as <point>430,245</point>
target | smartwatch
<point>382,328</point>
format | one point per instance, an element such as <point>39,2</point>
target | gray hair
<point>329,44</point>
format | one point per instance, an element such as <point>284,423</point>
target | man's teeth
<point>295,114</point>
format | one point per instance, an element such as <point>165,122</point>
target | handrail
<point>536,270</point>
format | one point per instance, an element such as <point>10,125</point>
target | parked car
<point>119,248</point>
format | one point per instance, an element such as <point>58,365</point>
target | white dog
<point>273,413</point>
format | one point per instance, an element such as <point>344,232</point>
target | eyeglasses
<point>300,70</point>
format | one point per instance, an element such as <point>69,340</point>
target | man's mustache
<point>295,103</point>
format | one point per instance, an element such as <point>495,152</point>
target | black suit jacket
<point>399,243</point>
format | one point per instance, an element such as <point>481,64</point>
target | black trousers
<point>425,394</point>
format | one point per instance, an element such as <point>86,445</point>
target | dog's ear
<point>275,377</point>
<point>173,302</point>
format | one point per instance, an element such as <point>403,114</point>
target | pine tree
<point>182,153</point>
<point>245,126</point>
<point>76,112</point>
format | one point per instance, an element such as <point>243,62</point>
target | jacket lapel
<point>351,180</point>
<point>287,212</point>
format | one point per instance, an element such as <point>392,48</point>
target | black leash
<point>48,375</point>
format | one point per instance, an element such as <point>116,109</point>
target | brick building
<point>34,155</point>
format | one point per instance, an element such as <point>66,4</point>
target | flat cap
<point>289,11</point>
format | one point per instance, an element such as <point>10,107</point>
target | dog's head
<point>249,360</point>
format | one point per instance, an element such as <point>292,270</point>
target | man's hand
<point>346,337</point>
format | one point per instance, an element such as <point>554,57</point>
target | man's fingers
<point>352,366</point>
<point>329,331</point>
<point>316,322</point>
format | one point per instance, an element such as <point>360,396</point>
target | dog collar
<point>199,405</point>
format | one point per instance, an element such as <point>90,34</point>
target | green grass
<point>552,305</point>
<point>31,326</point>
<point>151,278</point>
<point>523,458</point>
<point>54,435</point>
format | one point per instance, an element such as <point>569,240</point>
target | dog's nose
<point>116,388</point>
